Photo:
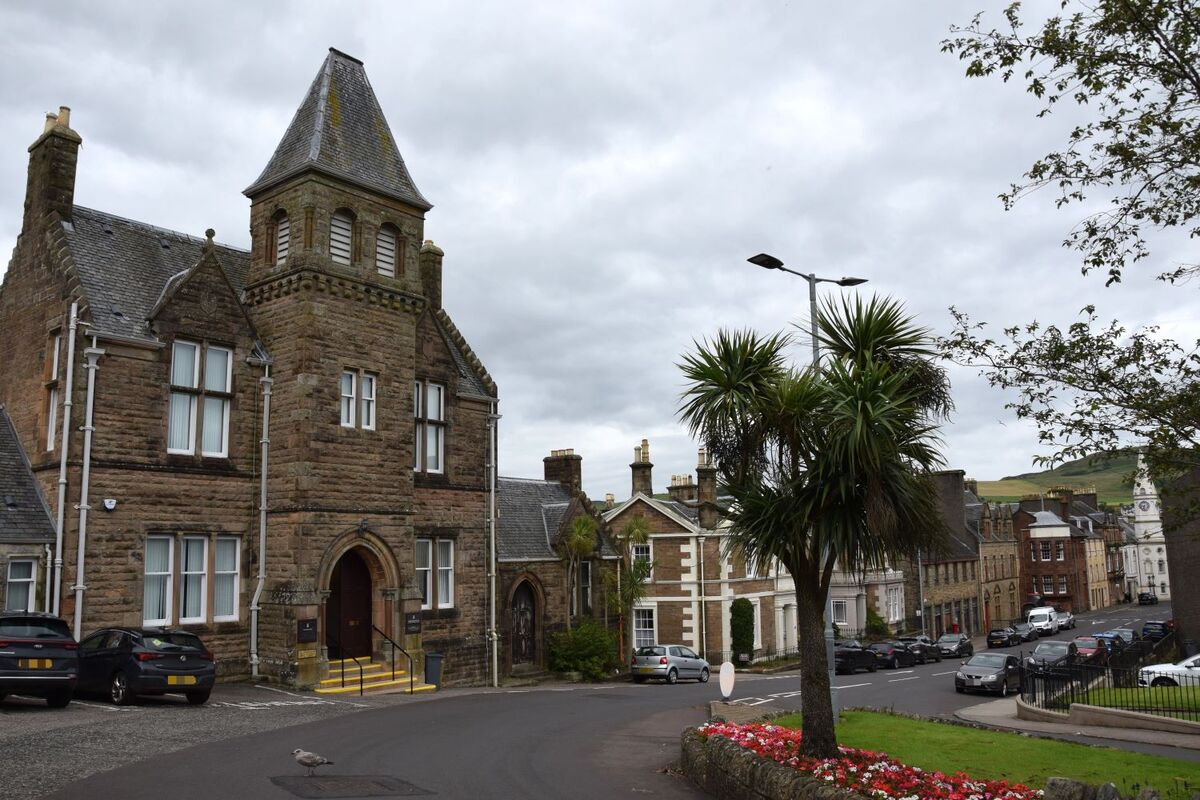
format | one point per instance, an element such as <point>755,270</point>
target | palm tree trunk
<point>819,739</point>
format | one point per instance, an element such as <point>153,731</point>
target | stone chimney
<point>706,479</point>
<point>431,273</point>
<point>682,489</point>
<point>641,468</point>
<point>610,500</point>
<point>952,506</point>
<point>52,161</point>
<point>564,467</point>
<point>972,486</point>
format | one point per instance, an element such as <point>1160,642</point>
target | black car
<point>1003,637</point>
<point>1147,599</point>
<point>989,672</point>
<point>1155,630</point>
<point>126,662</point>
<point>1053,656</point>
<point>38,656</point>
<point>923,647</point>
<point>955,645</point>
<point>850,656</point>
<point>1027,632</point>
<point>893,655</point>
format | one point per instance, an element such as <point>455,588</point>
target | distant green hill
<point>1110,479</point>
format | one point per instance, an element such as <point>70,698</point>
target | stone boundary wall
<point>730,772</point>
<point>1083,714</point>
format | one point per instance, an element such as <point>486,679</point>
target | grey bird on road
<point>309,761</point>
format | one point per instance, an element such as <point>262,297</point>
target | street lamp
<point>768,261</point>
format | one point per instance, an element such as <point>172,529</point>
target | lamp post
<point>767,261</point>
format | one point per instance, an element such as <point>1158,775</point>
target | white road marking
<point>106,708</point>
<point>518,691</point>
<point>852,686</point>
<point>897,680</point>
<point>903,672</point>
<point>310,697</point>
<point>951,672</point>
<point>786,694</point>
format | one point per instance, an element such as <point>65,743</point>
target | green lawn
<point>1175,698</point>
<point>1009,756</point>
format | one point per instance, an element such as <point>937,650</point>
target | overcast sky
<point>599,174</point>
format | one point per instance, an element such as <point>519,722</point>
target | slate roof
<point>531,512</point>
<point>125,267</point>
<point>471,383</point>
<point>339,129</point>
<point>24,515</point>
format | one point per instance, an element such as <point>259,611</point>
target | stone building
<point>1063,550</point>
<point>26,527</point>
<point>534,597</point>
<point>999,562</point>
<point>284,450</point>
<point>1147,568</point>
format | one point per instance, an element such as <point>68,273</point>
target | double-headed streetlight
<point>767,261</point>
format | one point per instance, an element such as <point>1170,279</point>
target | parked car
<point>1147,599</point>
<point>1155,630</point>
<point>1066,620</point>
<point>850,656</point>
<point>955,645</point>
<point>38,656</point>
<point>1002,637</point>
<point>1115,642</point>
<point>1052,656</point>
<point>670,662</point>
<point>1128,634</point>
<point>1186,673</point>
<point>1044,620</point>
<point>923,647</point>
<point>990,672</point>
<point>126,662</point>
<point>1092,649</point>
<point>1027,632</point>
<point>893,655</point>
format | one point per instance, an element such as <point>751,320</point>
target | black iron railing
<point>396,647</point>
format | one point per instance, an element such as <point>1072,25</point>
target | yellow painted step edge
<point>420,687</point>
<point>367,678</point>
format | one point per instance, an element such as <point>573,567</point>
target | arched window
<point>341,235</point>
<point>385,251</point>
<point>283,236</point>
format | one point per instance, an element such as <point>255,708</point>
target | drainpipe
<point>92,354</point>
<point>493,634</point>
<point>703,632</point>
<point>265,444</point>
<point>61,515</point>
<point>49,551</point>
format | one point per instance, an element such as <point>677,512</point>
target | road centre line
<point>897,680</point>
<point>852,685</point>
<point>951,672</point>
<point>903,672</point>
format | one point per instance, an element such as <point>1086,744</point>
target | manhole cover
<point>324,786</point>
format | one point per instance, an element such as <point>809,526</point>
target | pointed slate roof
<point>339,130</point>
<point>24,515</point>
<point>531,512</point>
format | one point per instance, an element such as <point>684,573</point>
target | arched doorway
<point>523,620</point>
<point>348,609</point>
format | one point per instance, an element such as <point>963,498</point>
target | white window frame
<point>1060,551</point>
<point>1047,584</point>
<point>52,418</point>
<point>633,555</point>
<point>366,400</point>
<point>168,586</point>
<point>1062,584</point>
<point>185,573</point>
<point>222,396</point>
<point>585,587</point>
<point>29,583</point>
<point>834,606</point>
<point>387,242</point>
<point>652,611</point>
<point>237,578</point>
<point>758,640</point>
<point>1045,551</point>
<point>445,573</point>
<point>348,403</point>
<point>192,396</point>
<point>422,421</point>
<point>424,580</point>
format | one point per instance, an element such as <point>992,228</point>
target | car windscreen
<point>998,632</point>
<point>34,628</point>
<point>948,639</point>
<point>990,660</point>
<point>1050,649</point>
<point>171,641</point>
<point>847,643</point>
<point>1021,626</point>
<point>650,651</point>
<point>1087,641</point>
<point>882,646</point>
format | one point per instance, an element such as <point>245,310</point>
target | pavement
<point>1003,714</point>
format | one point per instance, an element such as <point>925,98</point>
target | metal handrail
<point>357,663</point>
<point>396,647</point>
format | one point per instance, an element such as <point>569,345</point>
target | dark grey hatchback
<point>126,662</point>
<point>38,656</point>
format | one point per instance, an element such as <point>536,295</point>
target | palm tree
<point>577,543</point>
<point>628,584</point>
<point>826,465</point>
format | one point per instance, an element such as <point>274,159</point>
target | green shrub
<point>741,627</point>
<point>589,649</point>
<point>876,628</point>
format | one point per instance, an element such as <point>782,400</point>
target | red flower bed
<point>869,774</point>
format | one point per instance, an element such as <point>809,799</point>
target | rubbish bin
<point>433,668</point>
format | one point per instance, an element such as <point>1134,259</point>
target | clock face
<point>1144,505</point>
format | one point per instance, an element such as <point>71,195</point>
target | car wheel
<point>118,690</point>
<point>198,698</point>
<point>1004,688</point>
<point>872,667</point>
<point>938,656</point>
<point>58,699</point>
<point>639,678</point>
<point>672,676</point>
<point>959,689</point>
<point>894,663</point>
<point>1163,682</point>
<point>704,675</point>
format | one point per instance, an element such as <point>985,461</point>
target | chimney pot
<point>64,116</point>
<point>51,121</point>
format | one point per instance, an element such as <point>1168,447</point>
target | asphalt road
<point>575,742</point>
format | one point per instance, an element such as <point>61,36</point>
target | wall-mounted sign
<point>412,622</point>
<point>306,630</point>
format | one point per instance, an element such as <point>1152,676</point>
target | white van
<point>1043,620</point>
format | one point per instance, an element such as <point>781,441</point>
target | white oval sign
<point>727,677</point>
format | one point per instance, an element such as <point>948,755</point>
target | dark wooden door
<point>348,610</point>
<point>522,625</point>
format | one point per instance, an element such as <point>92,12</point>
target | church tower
<point>1149,545</point>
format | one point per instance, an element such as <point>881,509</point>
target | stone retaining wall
<point>730,772</point>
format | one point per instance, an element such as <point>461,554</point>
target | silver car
<point>668,662</point>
